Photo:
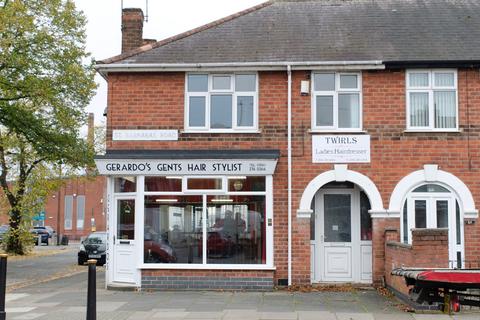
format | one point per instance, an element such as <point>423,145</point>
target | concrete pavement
<point>66,299</point>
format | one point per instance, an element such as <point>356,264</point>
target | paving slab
<point>316,315</point>
<point>354,316</point>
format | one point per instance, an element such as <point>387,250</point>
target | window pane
<point>245,111</point>
<point>444,79</point>
<point>221,82</point>
<point>445,109</point>
<point>163,184</point>
<point>80,212</point>
<point>242,184</point>
<point>442,214</point>
<point>348,81</point>
<point>418,79</point>
<point>324,81</point>
<point>68,212</point>
<point>420,214</point>
<point>366,220</point>
<point>126,219</point>
<point>431,188</point>
<point>418,109</point>
<point>337,226</point>
<point>405,222</point>
<point>204,184</point>
<point>196,112</point>
<point>348,111</point>
<point>173,229</point>
<point>236,230</point>
<point>324,111</point>
<point>125,184</point>
<point>245,82</point>
<point>221,112</point>
<point>197,83</point>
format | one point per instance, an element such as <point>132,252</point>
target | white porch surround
<point>431,174</point>
<point>340,173</point>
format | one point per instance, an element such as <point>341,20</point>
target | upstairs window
<point>432,100</point>
<point>221,102</point>
<point>337,101</point>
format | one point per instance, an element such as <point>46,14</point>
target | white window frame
<point>268,193</point>
<point>431,199</point>
<point>430,89</point>
<point>335,93</point>
<point>235,94</point>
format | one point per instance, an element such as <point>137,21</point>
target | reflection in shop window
<point>125,184</point>
<point>236,230</point>
<point>173,229</point>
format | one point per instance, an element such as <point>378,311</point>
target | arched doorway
<point>342,238</point>
<point>432,206</point>
<point>338,202</point>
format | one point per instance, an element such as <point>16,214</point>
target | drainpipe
<point>289,187</point>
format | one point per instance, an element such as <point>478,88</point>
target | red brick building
<point>296,142</point>
<point>80,210</point>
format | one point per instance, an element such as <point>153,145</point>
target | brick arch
<point>340,173</point>
<point>431,174</point>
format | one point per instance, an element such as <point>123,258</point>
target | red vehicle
<point>159,252</point>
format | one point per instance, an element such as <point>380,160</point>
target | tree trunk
<point>14,242</point>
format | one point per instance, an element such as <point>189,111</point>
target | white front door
<point>124,265</point>
<point>342,254</point>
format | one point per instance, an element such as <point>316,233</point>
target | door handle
<point>124,242</point>
<point>113,239</point>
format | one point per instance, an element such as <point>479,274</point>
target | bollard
<point>92,290</point>
<point>3,284</point>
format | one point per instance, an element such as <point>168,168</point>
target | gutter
<point>104,69</point>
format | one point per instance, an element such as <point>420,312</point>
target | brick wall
<point>207,279</point>
<point>429,249</point>
<point>93,190</point>
<point>132,29</point>
<point>156,101</point>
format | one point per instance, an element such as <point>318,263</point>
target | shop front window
<point>173,229</point>
<point>227,226</point>
<point>236,230</point>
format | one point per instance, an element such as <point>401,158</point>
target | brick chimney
<point>132,28</point>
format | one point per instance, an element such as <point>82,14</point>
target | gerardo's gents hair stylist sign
<point>184,167</point>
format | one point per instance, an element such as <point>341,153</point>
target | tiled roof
<point>327,30</point>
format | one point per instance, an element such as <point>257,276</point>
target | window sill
<point>206,266</point>
<point>432,131</point>
<point>315,131</point>
<point>256,131</point>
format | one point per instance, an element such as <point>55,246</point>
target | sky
<point>165,18</point>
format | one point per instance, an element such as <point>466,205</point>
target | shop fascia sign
<point>340,148</point>
<point>185,167</point>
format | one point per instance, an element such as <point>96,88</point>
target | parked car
<point>43,233</point>
<point>93,247</point>
<point>48,229</point>
<point>3,230</point>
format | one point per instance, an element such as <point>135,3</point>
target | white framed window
<point>434,206</point>
<point>221,102</point>
<point>337,101</point>
<point>432,100</point>
<point>222,222</point>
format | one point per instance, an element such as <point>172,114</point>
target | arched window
<point>434,206</point>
